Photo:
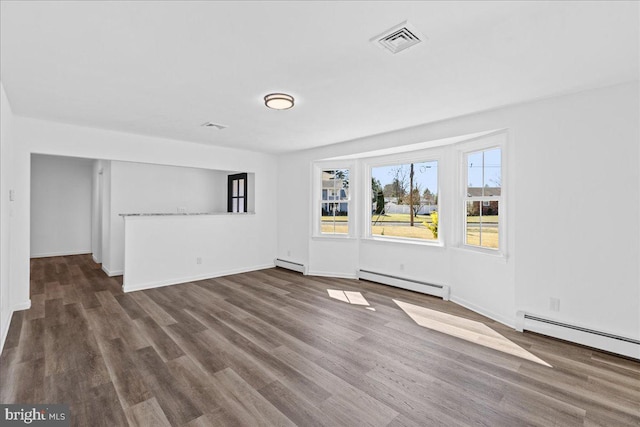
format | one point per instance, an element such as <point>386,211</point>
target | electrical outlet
<point>401,266</point>
<point>198,260</point>
<point>289,253</point>
<point>554,304</point>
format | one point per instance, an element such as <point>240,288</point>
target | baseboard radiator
<point>613,343</point>
<point>290,265</point>
<point>441,291</point>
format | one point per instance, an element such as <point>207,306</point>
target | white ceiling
<point>164,68</point>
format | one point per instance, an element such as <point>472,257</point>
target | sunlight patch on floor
<point>466,329</point>
<point>349,297</point>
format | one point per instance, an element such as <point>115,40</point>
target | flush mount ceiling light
<point>278,101</point>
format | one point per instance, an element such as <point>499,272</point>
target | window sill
<point>401,241</point>
<point>498,255</point>
<point>332,237</point>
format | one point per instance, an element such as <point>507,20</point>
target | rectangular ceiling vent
<point>398,38</point>
<point>214,125</point>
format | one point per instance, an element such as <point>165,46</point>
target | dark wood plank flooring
<point>271,348</point>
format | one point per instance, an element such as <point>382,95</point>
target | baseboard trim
<point>95,259</point>
<point>112,273</point>
<point>410,284</point>
<point>332,274</point>
<point>491,315</point>
<point>177,281</point>
<point>5,330</point>
<point>52,254</point>
<point>569,331</point>
<point>291,265</point>
<point>26,305</point>
<point>18,307</point>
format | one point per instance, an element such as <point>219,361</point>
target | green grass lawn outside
<point>385,218</point>
<point>400,218</point>
<point>419,231</point>
<point>485,218</point>
<point>405,218</point>
<point>337,218</point>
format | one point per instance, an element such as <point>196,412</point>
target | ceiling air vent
<point>213,125</point>
<point>398,38</point>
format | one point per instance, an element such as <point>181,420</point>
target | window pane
<point>473,235</point>
<point>241,187</point>
<point>396,195</point>
<point>342,184</point>
<point>482,224</point>
<point>335,184</point>
<point>241,204</point>
<point>492,172</point>
<point>234,191</point>
<point>234,205</point>
<point>475,182</point>
<point>484,173</point>
<point>489,228</point>
<point>335,218</point>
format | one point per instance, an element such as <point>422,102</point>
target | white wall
<point>164,250</point>
<point>6,139</point>
<point>45,137</point>
<point>61,193</point>
<point>148,188</point>
<point>564,153</point>
<point>587,255</point>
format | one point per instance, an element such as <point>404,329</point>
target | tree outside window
<point>403,196</point>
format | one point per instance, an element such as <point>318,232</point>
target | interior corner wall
<point>61,193</point>
<point>105,214</point>
<point>6,122</point>
<point>96,210</point>
<point>573,213</point>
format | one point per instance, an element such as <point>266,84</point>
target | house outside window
<point>483,198</point>
<point>334,203</point>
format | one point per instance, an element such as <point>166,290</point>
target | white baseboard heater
<point>290,265</point>
<point>613,343</point>
<point>441,291</point>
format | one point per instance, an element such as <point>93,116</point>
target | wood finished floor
<point>271,348</point>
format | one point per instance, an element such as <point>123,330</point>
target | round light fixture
<point>278,101</point>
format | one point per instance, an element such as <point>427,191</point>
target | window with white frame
<point>483,198</point>
<point>334,202</point>
<point>404,200</point>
